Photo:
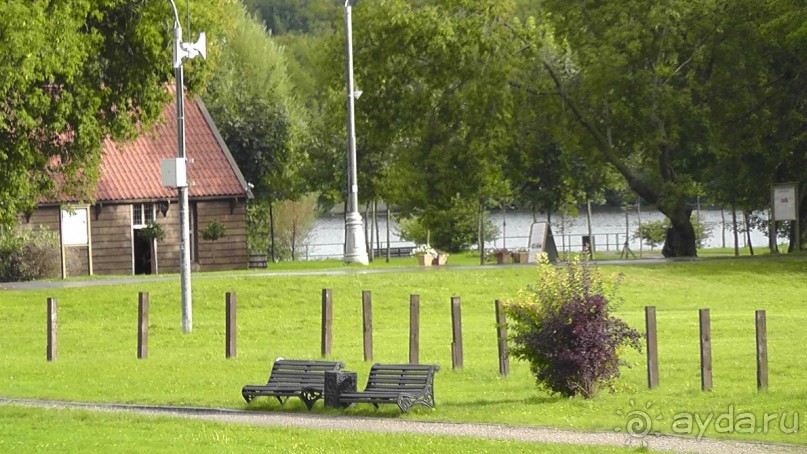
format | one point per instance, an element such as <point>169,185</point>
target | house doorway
<point>142,253</point>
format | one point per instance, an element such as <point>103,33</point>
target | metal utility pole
<point>181,51</point>
<point>355,247</point>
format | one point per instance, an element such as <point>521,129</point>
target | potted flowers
<point>425,254</point>
<point>440,258</point>
<point>502,256</point>
<point>522,256</point>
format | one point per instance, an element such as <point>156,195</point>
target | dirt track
<point>387,425</point>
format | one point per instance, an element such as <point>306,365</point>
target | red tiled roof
<point>131,171</point>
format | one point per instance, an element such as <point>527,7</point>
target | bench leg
<point>247,397</point>
<point>309,397</point>
<point>407,401</point>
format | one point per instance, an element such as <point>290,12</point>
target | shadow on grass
<point>273,406</point>
<point>292,407</point>
<point>479,403</point>
<point>722,266</point>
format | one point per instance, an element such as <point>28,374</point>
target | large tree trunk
<point>681,240</point>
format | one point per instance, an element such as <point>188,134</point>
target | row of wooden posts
<point>414,329</point>
<point>327,328</point>
<point>706,348</point>
<point>143,326</point>
<point>456,342</point>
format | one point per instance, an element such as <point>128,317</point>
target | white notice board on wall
<point>75,235</point>
<point>75,227</point>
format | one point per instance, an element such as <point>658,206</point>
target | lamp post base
<point>355,247</point>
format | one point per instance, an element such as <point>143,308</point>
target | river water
<point>608,228</point>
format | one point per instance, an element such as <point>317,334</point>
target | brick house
<point>106,237</point>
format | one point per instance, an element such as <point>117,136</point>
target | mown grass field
<point>81,431</point>
<point>280,316</point>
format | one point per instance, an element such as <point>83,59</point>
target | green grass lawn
<point>81,431</point>
<point>280,316</point>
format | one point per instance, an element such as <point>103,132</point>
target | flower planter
<point>440,259</point>
<point>503,257</point>
<point>521,257</point>
<point>425,259</point>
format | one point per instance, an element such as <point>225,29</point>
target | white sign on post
<point>785,203</point>
<point>74,227</point>
<point>541,241</point>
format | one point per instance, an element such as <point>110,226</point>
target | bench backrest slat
<point>302,371</point>
<point>405,377</point>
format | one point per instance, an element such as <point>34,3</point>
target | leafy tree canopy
<point>253,105</point>
<point>432,124</point>
<point>297,16</point>
<point>71,74</point>
<point>643,88</point>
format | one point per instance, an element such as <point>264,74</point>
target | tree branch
<point>602,141</point>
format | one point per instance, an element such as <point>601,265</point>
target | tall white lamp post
<point>178,168</point>
<point>355,248</point>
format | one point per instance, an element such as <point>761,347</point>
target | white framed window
<point>142,213</point>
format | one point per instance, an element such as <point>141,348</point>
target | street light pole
<point>184,50</point>
<point>355,247</point>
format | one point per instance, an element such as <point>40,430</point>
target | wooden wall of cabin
<point>168,247</point>
<point>111,228</point>
<point>45,216</point>
<point>229,252</point>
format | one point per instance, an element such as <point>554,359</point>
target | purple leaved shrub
<point>564,329</point>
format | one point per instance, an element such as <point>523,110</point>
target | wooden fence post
<point>53,308</point>
<point>327,320</point>
<point>367,325</point>
<point>142,325</point>
<point>762,351</point>
<point>456,344</point>
<point>230,325</point>
<point>501,334</point>
<point>706,350</point>
<point>414,329</point>
<point>652,346</point>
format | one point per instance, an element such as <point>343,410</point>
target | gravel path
<point>490,431</point>
<point>56,284</point>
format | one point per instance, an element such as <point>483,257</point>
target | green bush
<point>215,230</point>
<point>564,329</point>
<point>258,227</point>
<point>453,230</point>
<point>294,222</point>
<point>28,254</point>
<point>654,233</point>
<point>152,231</point>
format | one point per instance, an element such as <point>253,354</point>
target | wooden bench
<point>293,378</point>
<point>403,384</point>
